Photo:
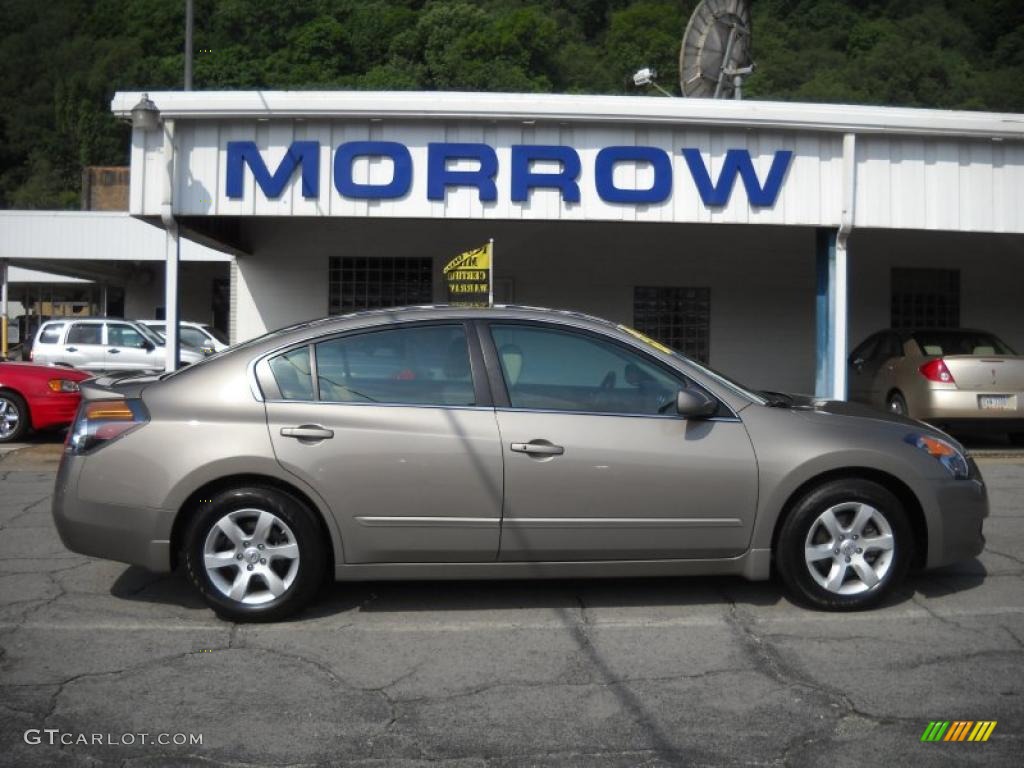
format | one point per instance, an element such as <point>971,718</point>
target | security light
<point>145,114</point>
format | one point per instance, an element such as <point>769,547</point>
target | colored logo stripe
<point>958,730</point>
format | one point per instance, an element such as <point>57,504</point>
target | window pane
<point>925,298</point>
<point>556,370</point>
<point>123,336</point>
<point>194,337</point>
<point>415,366</point>
<point>355,283</point>
<point>291,371</point>
<point>679,317</point>
<point>85,333</point>
<point>51,334</point>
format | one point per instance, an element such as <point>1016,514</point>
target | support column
<point>831,312</point>
<point>171,302</point>
<point>3,309</point>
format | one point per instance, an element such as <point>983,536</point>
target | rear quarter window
<point>51,333</point>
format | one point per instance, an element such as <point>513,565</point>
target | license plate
<point>997,402</point>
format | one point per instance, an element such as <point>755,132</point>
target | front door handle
<point>71,349</point>
<point>538,448</point>
<point>114,351</point>
<point>308,432</point>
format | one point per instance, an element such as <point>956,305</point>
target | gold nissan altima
<point>953,378</point>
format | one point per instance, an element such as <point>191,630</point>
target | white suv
<point>103,344</point>
<point>199,335</point>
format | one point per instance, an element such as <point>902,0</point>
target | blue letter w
<point>737,161</point>
<point>304,153</point>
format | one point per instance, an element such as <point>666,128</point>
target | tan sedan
<point>953,378</point>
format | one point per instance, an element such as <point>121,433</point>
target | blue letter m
<point>737,161</point>
<point>304,153</point>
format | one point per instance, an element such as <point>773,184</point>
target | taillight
<point>936,370</point>
<point>100,421</point>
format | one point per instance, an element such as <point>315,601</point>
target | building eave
<point>559,108</point>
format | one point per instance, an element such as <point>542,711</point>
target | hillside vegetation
<point>63,60</point>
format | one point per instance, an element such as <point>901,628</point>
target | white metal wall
<point>904,182</point>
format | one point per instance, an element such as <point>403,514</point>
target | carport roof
<point>528,107</point>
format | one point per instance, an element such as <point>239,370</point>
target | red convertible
<point>36,397</point>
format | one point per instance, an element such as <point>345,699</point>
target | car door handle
<point>114,351</point>
<point>71,349</point>
<point>538,448</point>
<point>308,432</point>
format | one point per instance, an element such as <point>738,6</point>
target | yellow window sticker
<point>645,339</point>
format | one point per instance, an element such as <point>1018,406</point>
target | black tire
<point>304,528</point>
<point>1016,438</point>
<point>841,495</point>
<point>24,424</point>
<point>897,404</point>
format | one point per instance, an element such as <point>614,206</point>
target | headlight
<point>62,385</point>
<point>947,454</point>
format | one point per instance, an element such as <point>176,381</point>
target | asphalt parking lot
<point>695,671</point>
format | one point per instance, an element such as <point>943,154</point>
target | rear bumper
<point>952,405</point>
<point>960,509</point>
<point>134,535</point>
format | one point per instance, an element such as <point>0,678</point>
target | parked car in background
<point>103,344</point>
<point>202,336</point>
<point>508,442</point>
<point>953,378</point>
<point>36,397</point>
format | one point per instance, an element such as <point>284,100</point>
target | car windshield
<point>149,333</point>
<point>218,334</point>
<point>975,343</point>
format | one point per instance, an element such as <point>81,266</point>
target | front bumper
<point>956,519</point>
<point>134,535</point>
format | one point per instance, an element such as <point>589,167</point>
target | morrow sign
<point>304,156</point>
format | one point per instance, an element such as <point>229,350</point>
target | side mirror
<point>857,362</point>
<point>695,404</point>
<point>147,345</point>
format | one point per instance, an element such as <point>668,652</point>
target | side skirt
<point>754,565</point>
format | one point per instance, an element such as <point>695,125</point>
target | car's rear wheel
<point>255,553</point>
<point>898,404</point>
<point>14,417</point>
<point>845,545</point>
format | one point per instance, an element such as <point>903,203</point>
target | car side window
<point>551,369</point>
<point>891,346</point>
<point>51,333</point>
<point>121,335</point>
<point>419,365</point>
<point>866,350</point>
<point>293,374</point>
<point>194,337</point>
<point>85,333</point>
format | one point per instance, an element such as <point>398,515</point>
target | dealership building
<point>764,238</point>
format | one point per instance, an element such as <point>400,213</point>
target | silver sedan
<point>443,443</point>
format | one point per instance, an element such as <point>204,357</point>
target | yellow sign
<point>646,339</point>
<point>468,277</point>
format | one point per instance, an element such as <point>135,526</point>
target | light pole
<point>146,117</point>
<point>189,23</point>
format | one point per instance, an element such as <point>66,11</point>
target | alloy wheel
<point>251,556</point>
<point>849,548</point>
<point>10,418</point>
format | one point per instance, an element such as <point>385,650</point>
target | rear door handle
<point>71,349</point>
<point>538,448</point>
<point>114,351</point>
<point>308,432</point>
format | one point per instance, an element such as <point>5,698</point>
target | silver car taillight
<point>100,421</point>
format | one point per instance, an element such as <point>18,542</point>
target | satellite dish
<point>715,54</point>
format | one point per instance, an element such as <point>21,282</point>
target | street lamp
<point>648,76</point>
<point>145,114</point>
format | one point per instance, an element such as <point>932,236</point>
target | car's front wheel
<point>845,545</point>
<point>255,553</point>
<point>14,417</point>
